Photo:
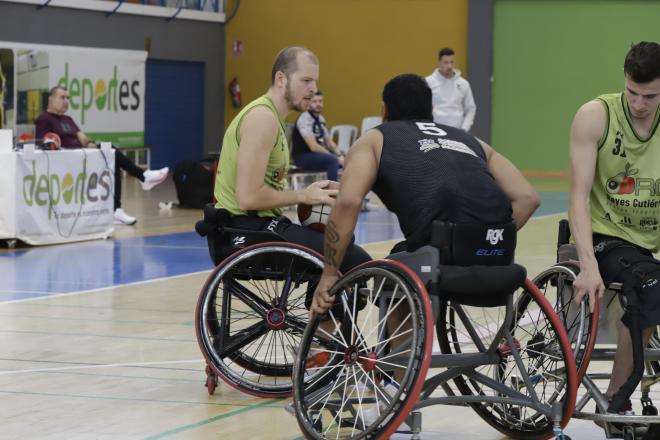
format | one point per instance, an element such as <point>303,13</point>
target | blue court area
<point>79,267</point>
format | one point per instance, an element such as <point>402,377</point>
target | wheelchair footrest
<point>618,418</point>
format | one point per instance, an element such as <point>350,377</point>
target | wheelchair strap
<point>631,320</point>
<point>634,271</point>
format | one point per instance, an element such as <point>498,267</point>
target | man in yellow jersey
<point>614,209</point>
<point>252,171</point>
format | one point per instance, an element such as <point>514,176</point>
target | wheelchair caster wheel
<point>650,411</point>
<point>211,381</point>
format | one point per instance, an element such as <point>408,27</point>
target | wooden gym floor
<point>97,339</point>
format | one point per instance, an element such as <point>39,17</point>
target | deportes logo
<point>52,190</point>
<point>113,94</point>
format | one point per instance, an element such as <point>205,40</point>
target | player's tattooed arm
<point>332,238</point>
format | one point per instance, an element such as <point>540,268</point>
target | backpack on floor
<point>193,180</point>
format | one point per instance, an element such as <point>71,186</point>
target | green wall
<point>549,58</point>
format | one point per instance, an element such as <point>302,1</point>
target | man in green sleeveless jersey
<point>614,210</point>
<point>254,160</point>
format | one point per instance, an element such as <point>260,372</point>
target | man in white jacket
<point>453,103</point>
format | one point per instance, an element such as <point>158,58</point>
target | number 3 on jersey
<point>430,128</point>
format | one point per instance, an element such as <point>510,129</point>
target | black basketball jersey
<point>429,171</point>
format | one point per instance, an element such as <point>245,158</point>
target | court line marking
<point>96,319</point>
<point>211,420</point>
<point>105,288</point>
<point>96,335</point>
<point>162,246</point>
<point>100,289</point>
<point>37,292</point>
<point>127,376</point>
<point>104,307</point>
<point>87,367</point>
<point>129,399</point>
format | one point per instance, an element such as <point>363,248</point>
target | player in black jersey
<point>422,171</point>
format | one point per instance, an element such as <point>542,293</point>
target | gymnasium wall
<point>360,43</point>
<point>176,40</point>
<point>550,56</point>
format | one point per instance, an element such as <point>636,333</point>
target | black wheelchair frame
<point>519,375</point>
<point>583,330</point>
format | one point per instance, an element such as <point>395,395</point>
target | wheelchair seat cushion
<point>482,286</point>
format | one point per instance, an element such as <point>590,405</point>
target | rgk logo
<point>494,236</point>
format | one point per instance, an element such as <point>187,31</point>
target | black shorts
<point>301,235</point>
<point>304,236</point>
<point>613,254</point>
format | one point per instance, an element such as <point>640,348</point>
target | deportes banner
<point>106,89</point>
<point>58,196</point>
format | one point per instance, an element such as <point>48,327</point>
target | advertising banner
<point>106,89</point>
<point>59,196</point>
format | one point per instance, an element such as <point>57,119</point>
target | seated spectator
<point>313,148</point>
<point>55,121</point>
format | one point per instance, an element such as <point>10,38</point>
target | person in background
<point>313,148</point>
<point>54,120</point>
<point>453,103</point>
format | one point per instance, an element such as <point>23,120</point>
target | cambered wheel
<point>538,337</point>
<point>581,325</point>
<point>251,314</point>
<point>379,332</point>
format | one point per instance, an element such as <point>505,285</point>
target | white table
<point>49,197</point>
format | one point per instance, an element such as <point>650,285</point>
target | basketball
<point>316,216</point>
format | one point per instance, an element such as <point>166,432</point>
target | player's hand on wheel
<point>323,300</point>
<point>588,282</point>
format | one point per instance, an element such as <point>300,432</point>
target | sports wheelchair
<point>251,313</point>
<point>593,337</point>
<point>503,349</point>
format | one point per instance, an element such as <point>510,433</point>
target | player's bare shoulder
<point>590,121</point>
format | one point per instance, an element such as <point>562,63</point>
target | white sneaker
<point>370,415</point>
<point>121,218</point>
<point>154,177</point>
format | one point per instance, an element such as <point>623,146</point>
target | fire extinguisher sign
<point>235,93</point>
<point>237,48</point>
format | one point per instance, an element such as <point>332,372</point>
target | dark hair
<point>318,93</point>
<point>642,63</point>
<point>287,61</point>
<point>445,51</point>
<point>407,96</point>
<point>54,89</point>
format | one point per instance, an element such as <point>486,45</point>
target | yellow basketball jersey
<point>276,170</point>
<point>625,197</point>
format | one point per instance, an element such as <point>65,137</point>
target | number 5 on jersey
<point>430,128</point>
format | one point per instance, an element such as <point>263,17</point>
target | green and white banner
<point>52,197</point>
<point>106,88</point>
